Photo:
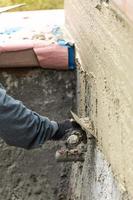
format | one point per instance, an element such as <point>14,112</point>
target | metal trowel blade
<point>85,124</point>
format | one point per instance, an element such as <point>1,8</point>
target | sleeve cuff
<point>55,127</point>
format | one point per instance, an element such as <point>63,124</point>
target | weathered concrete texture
<point>104,40</point>
<point>93,180</point>
<point>35,175</point>
<point>126,6</point>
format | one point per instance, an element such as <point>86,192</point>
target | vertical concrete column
<point>103,37</point>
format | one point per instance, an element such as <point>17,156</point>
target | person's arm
<point>22,127</point>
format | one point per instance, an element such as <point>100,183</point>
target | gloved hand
<point>64,128</point>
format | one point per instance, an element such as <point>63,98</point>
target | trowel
<point>76,144</point>
<point>86,124</point>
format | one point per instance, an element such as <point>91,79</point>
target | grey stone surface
<point>34,174</point>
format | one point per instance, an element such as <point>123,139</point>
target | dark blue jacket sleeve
<point>22,127</point>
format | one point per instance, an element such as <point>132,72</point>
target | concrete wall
<point>94,180</point>
<point>104,42</point>
<point>35,175</point>
<point>126,6</point>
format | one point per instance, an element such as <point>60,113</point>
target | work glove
<point>65,128</point>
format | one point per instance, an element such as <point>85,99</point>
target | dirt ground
<point>35,175</point>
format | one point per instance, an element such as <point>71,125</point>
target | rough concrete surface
<point>34,174</point>
<point>93,180</point>
<point>104,41</point>
<point>126,6</point>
